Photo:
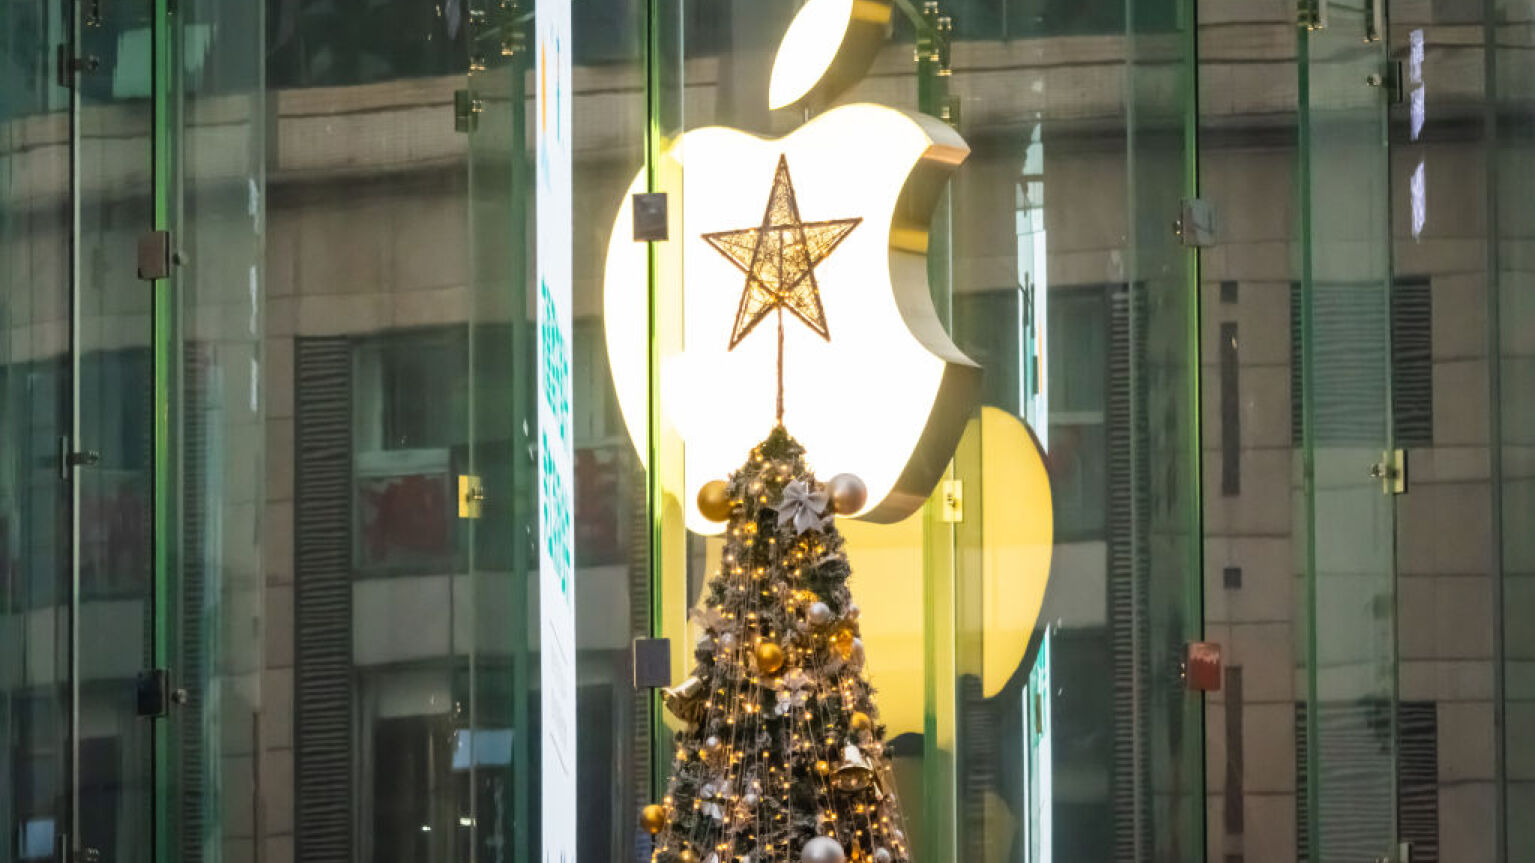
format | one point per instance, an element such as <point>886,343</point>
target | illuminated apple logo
<point>872,384</point>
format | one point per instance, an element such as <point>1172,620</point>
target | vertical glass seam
<point>1193,587</point>
<point>1494,287</point>
<point>163,331</point>
<point>1308,426</point>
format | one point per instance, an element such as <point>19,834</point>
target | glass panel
<point>34,414</point>
<point>1166,552</point>
<point>498,741</point>
<point>217,448</point>
<point>368,747</point>
<point>1349,658</point>
<point>1079,304</point>
<point>1443,358</point>
<point>116,379</point>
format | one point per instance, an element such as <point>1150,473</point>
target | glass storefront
<point>1249,291</point>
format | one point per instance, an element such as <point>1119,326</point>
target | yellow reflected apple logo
<point>877,389</point>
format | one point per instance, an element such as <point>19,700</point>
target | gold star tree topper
<point>779,260</point>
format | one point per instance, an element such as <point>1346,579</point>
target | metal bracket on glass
<point>652,663</point>
<point>1312,14</point>
<point>1202,666</point>
<point>1195,226</point>
<point>953,496</point>
<point>155,257</point>
<point>69,458</point>
<point>466,111</point>
<point>471,496</point>
<point>152,694</point>
<point>69,67</point>
<point>1392,82</point>
<point>1374,20</point>
<point>1391,470</point>
<point>650,217</point>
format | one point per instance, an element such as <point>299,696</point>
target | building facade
<point>1253,285</point>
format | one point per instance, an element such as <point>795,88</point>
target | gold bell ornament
<point>854,773</point>
<point>685,700</point>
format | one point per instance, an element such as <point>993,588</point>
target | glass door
<point>1347,472</point>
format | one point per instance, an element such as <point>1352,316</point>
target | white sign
<point>556,472</point>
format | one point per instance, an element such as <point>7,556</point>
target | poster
<point>556,482</point>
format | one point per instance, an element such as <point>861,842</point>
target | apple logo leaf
<point>828,47</point>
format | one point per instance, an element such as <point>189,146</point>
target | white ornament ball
<point>882,855</point>
<point>727,640</point>
<point>822,849</point>
<point>819,613</point>
<point>713,742</point>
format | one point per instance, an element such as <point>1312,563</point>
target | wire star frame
<point>779,259</point>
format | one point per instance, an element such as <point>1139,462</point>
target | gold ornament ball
<point>687,856</point>
<point>769,657</point>
<point>653,818</point>
<point>860,721</point>
<point>822,768</point>
<point>843,642</point>
<point>714,501</point>
<point>848,493</point>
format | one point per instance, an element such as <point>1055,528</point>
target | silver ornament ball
<point>847,492</point>
<point>727,640</point>
<point>882,855</point>
<point>819,613</point>
<point>822,849</point>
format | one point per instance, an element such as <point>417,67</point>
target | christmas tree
<point>782,757</point>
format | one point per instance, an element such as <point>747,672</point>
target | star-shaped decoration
<point>779,260</point>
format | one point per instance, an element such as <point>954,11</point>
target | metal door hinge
<point>471,496</point>
<point>1196,223</point>
<point>953,492</point>
<point>1391,470</point>
<point>69,67</point>
<point>155,256</point>
<point>153,693</point>
<point>466,111</point>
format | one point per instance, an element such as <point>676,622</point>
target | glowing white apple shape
<point>886,396</point>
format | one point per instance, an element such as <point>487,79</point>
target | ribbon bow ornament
<point>802,507</point>
<point>709,621</point>
<point>715,796</point>
<point>794,690</point>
